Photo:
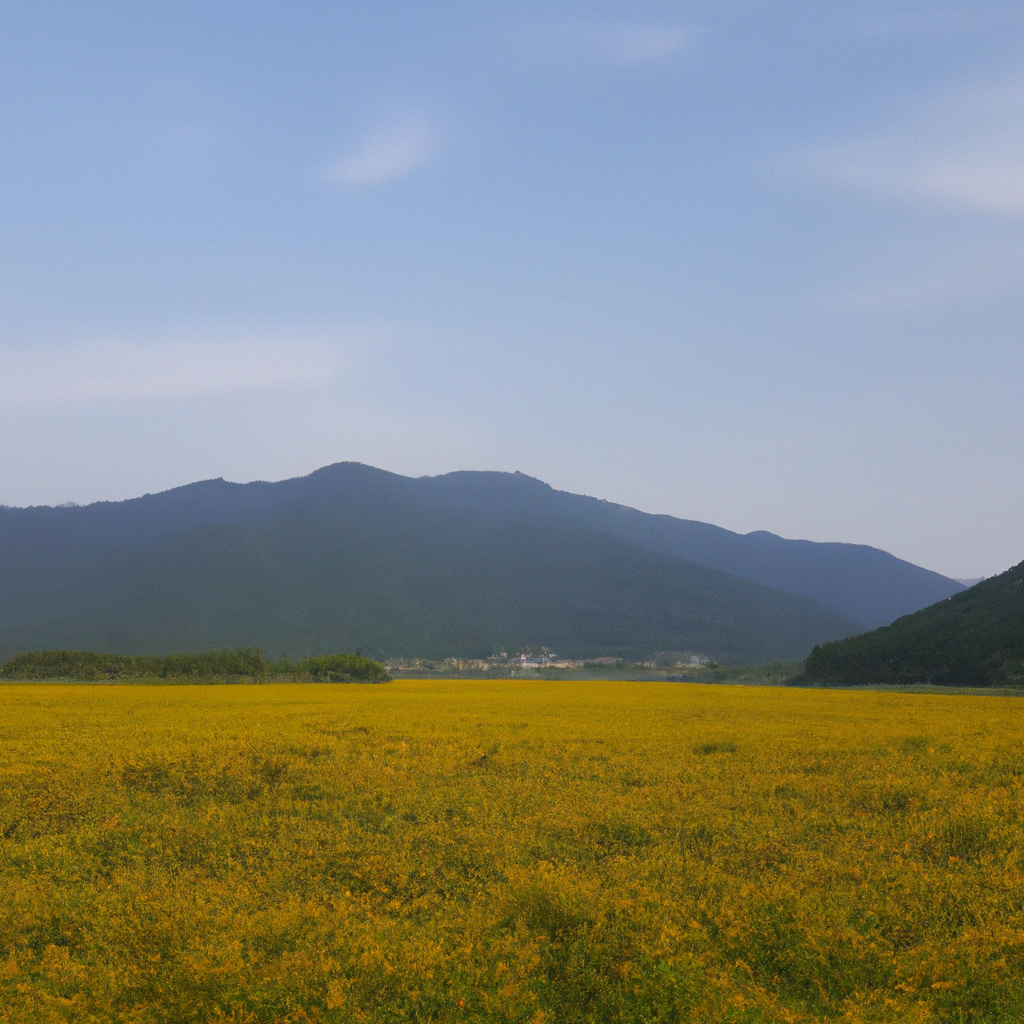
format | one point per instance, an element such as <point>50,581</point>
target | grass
<point>509,851</point>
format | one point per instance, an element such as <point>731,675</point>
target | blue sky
<point>755,263</point>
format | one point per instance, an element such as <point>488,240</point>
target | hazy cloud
<point>389,152</point>
<point>963,152</point>
<point>178,368</point>
<point>613,42</point>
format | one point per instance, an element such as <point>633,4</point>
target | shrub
<point>343,668</point>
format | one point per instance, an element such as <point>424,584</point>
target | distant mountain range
<point>975,638</point>
<point>466,564</point>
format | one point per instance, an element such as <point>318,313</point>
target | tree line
<point>232,664</point>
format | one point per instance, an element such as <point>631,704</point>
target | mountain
<point>858,582</point>
<point>463,564</point>
<point>975,638</point>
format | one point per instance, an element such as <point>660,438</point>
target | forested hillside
<point>975,638</point>
<point>352,558</point>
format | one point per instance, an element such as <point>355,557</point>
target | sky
<point>759,264</point>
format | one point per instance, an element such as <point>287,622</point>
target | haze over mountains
<point>467,564</point>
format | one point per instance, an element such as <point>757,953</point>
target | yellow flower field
<point>509,851</point>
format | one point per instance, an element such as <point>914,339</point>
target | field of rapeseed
<point>508,851</point>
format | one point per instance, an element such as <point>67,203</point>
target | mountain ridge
<point>860,582</point>
<point>64,565</point>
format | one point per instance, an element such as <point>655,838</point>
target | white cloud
<point>616,43</point>
<point>389,152</point>
<point>101,370</point>
<point>963,153</point>
<point>632,45</point>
